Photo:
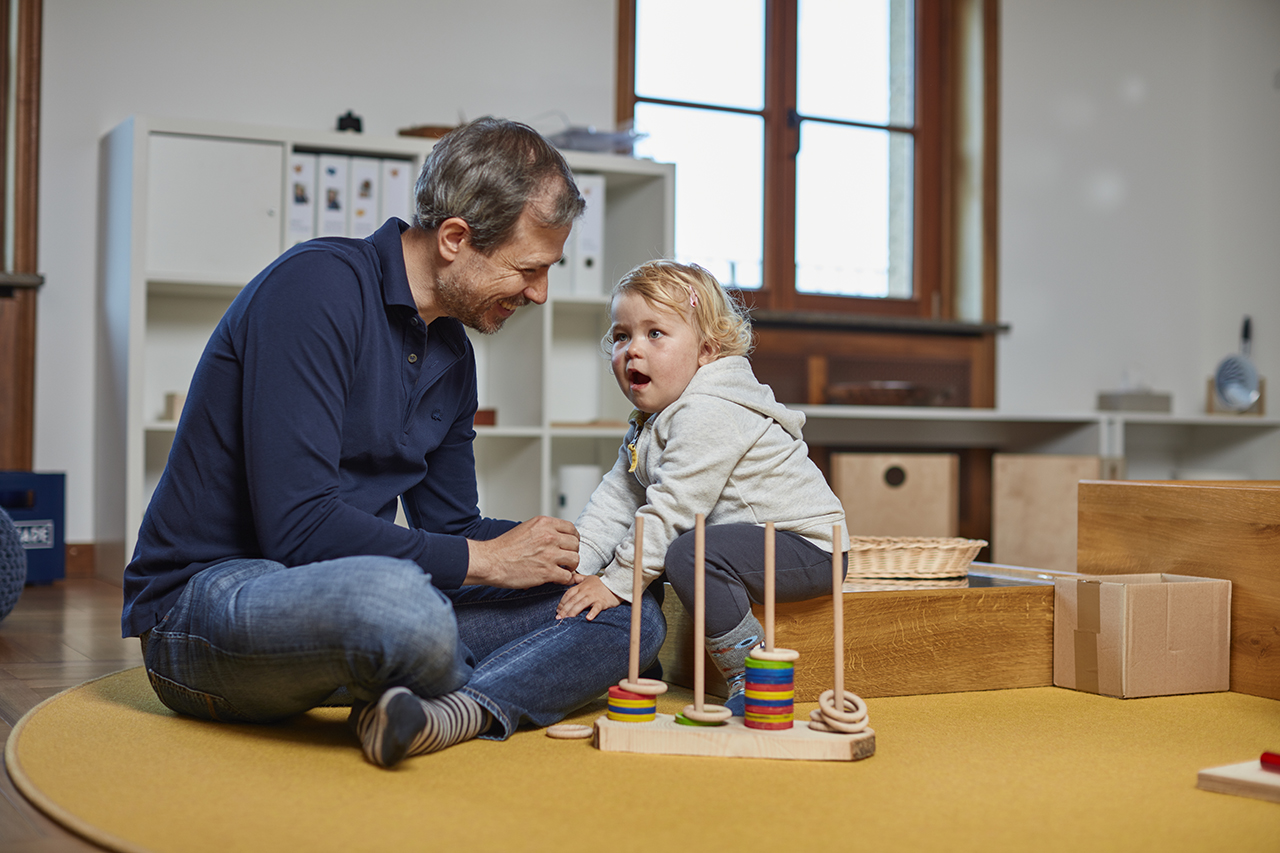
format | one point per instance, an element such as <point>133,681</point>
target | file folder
<point>302,198</point>
<point>366,176</point>
<point>331,200</point>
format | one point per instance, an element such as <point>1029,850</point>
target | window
<point>815,142</point>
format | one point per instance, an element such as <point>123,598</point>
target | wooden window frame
<point>938,95</point>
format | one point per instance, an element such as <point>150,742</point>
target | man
<point>269,573</point>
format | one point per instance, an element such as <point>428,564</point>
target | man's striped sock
<point>401,724</point>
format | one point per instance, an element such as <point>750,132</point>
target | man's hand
<point>541,550</point>
<point>589,593</point>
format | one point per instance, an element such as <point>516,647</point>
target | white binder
<point>332,219</point>
<point>560,276</point>
<point>588,237</point>
<point>302,198</point>
<point>366,178</point>
<point>397,190</point>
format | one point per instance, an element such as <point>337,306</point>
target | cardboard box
<point>1210,530</point>
<point>1142,635</point>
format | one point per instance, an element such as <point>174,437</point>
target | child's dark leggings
<point>734,561</point>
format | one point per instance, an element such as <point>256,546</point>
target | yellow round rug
<point>1040,769</point>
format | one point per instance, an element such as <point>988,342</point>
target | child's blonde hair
<point>689,289</point>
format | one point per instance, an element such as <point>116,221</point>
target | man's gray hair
<point>486,173</point>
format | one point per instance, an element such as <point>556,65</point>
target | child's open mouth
<point>636,378</point>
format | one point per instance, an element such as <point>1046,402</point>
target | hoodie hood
<point>732,379</point>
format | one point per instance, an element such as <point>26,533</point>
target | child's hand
<point>589,592</point>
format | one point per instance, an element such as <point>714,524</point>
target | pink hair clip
<point>693,297</point>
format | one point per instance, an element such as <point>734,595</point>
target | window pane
<point>719,161</point>
<point>706,51</point>
<point>856,60</point>
<point>853,211</point>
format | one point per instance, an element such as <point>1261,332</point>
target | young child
<point>706,437</point>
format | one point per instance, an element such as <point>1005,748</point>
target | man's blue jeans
<point>252,640</point>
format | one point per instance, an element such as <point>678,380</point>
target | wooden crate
<point>1204,529</point>
<point>898,494</point>
<point>1033,508</point>
<point>903,642</point>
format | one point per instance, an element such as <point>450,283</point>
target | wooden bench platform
<point>995,634</point>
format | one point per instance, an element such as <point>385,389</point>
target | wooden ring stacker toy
<point>633,682</point>
<point>851,716</point>
<point>700,712</point>
<point>569,731</point>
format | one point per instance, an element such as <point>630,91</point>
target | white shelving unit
<point>1140,446</point>
<point>192,210</point>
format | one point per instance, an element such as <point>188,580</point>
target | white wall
<point>1140,196</point>
<point>291,63</point>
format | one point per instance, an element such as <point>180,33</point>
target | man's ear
<point>450,237</point>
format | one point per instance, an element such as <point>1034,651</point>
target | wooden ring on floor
<point>777,654</point>
<point>569,731</point>
<point>708,714</point>
<point>645,686</point>
<point>854,712</point>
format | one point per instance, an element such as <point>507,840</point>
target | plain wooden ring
<point>569,731</point>
<point>828,724</point>
<point>644,686</point>
<point>823,724</point>
<point>708,714</point>
<point>776,655</point>
<point>827,704</point>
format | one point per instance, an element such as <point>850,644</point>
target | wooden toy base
<point>1247,779</point>
<point>664,736</point>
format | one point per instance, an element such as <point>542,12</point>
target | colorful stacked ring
<point>628,707</point>
<point>770,696</point>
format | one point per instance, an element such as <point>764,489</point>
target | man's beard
<point>455,296</point>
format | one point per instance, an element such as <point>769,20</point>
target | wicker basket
<point>911,557</point>
<point>899,584</point>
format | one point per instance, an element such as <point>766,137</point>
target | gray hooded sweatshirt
<point>725,448</point>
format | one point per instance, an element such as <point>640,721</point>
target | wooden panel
<point>1033,508</point>
<point>910,642</point>
<point>1217,530</point>
<point>902,643</point>
<point>898,494</point>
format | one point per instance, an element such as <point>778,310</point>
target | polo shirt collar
<point>395,283</point>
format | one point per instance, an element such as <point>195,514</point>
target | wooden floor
<point>56,637</point>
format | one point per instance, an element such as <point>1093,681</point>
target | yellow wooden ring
<point>569,731</point>
<point>708,714</point>
<point>646,686</point>
<point>827,704</point>
<point>777,654</point>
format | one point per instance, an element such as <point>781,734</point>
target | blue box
<point>37,505</point>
